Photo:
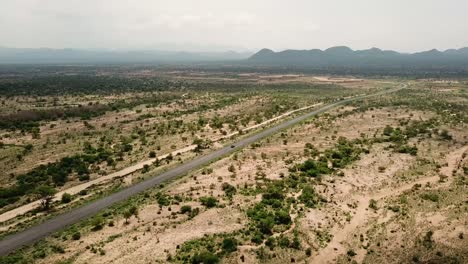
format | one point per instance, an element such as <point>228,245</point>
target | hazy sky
<point>403,25</point>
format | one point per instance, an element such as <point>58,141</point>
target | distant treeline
<point>83,84</point>
<point>367,72</point>
<point>29,120</point>
<point>46,78</point>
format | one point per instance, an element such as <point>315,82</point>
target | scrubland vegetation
<point>378,180</point>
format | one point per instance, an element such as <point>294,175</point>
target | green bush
<point>208,201</point>
<point>229,189</point>
<point>229,245</point>
<point>66,198</point>
<point>205,258</point>
<point>76,235</point>
<point>185,209</point>
<point>373,204</point>
<point>309,197</point>
<point>430,196</point>
<point>408,150</point>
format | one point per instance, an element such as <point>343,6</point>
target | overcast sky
<point>402,25</point>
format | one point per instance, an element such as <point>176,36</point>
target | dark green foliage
<point>205,258</point>
<point>412,150</point>
<point>133,210</point>
<point>351,253</point>
<point>46,194</point>
<point>282,217</point>
<point>444,134</point>
<point>218,246</point>
<point>430,196</point>
<point>97,223</point>
<point>309,197</point>
<point>387,130</point>
<point>163,199</point>
<point>314,168</point>
<point>229,245</point>
<point>344,153</point>
<point>57,173</point>
<point>66,198</point>
<point>229,189</point>
<point>208,201</point>
<point>76,235</point>
<point>84,177</point>
<point>272,210</point>
<point>295,243</point>
<point>271,243</point>
<point>427,240</point>
<point>185,209</point>
<point>14,259</point>
<point>283,241</point>
<point>201,144</point>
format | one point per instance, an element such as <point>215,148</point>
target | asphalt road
<point>37,232</point>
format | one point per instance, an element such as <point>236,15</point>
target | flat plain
<point>379,180</point>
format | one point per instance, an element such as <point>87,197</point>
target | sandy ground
<point>156,234</point>
<point>157,244</point>
<point>362,213</point>
<point>131,169</point>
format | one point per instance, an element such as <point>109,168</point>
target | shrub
<point>388,130</point>
<point>408,150</point>
<point>309,197</point>
<point>84,177</point>
<point>163,199</point>
<point>444,134</point>
<point>229,245</point>
<point>430,196</point>
<point>373,204</point>
<point>231,168</point>
<point>283,241</point>
<point>229,189</point>
<point>208,201</point>
<point>205,258</point>
<point>97,223</point>
<point>185,209</point>
<point>146,168</point>
<point>76,235</point>
<point>427,240</point>
<point>351,253</point>
<point>66,198</point>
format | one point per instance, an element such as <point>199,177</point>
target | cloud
<point>255,24</point>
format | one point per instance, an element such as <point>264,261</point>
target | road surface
<point>131,169</point>
<point>39,231</point>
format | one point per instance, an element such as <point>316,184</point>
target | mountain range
<point>65,56</point>
<point>335,57</point>
<point>342,56</point>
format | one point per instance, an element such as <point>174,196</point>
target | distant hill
<point>59,56</point>
<point>371,58</point>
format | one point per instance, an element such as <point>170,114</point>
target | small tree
<point>66,198</point>
<point>231,168</point>
<point>46,194</point>
<point>373,204</point>
<point>127,214</point>
<point>208,201</point>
